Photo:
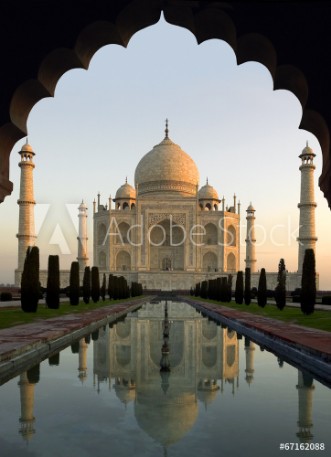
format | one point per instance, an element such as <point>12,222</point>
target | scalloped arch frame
<point>210,22</point>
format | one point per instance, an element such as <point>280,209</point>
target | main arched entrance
<point>166,246</point>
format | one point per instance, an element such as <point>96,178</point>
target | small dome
<point>250,208</point>
<point>82,206</point>
<point>207,396</point>
<point>125,395</point>
<point>126,191</point>
<point>27,148</point>
<point>208,192</point>
<point>307,151</point>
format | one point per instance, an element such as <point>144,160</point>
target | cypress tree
<point>280,290</point>
<point>103,288</point>
<point>134,289</point>
<point>87,285</point>
<point>229,288</point>
<point>126,290</point>
<point>95,287</point>
<point>115,288</point>
<point>218,289</point>
<point>53,282</point>
<point>247,291</point>
<point>308,283</point>
<point>74,284</point>
<point>204,289</point>
<point>262,289</point>
<point>209,289</point>
<point>121,287</point>
<point>212,289</point>
<point>137,289</point>
<point>224,289</point>
<point>110,286</point>
<point>239,291</point>
<point>197,289</point>
<point>30,286</point>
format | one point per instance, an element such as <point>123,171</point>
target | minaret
<point>82,367</point>
<point>307,238</point>
<point>26,229</point>
<point>250,239</point>
<point>27,418</point>
<point>82,236</point>
<point>305,391</point>
<point>249,349</point>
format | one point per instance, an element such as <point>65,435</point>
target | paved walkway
<point>313,340</point>
<point>15,341</point>
<point>17,304</point>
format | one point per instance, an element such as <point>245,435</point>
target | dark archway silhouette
<point>40,41</point>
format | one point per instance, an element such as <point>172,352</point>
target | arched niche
<point>123,261</point>
<point>166,233</point>
<point>231,235</point>
<point>123,235</point>
<point>210,236</point>
<point>231,263</point>
<point>102,260</point>
<point>102,232</point>
<point>209,262</point>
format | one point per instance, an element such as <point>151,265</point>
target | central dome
<point>166,168</point>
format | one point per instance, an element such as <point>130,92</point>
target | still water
<point>105,395</point>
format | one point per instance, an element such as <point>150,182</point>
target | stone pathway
<point>313,340</point>
<point>15,341</point>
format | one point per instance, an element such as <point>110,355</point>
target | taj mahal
<point>165,231</point>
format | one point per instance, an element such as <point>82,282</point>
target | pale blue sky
<point>242,135</point>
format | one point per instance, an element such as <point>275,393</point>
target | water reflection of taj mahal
<point>204,360</point>
<point>166,407</point>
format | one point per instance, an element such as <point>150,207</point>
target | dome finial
<point>126,179</point>
<point>166,129</point>
<point>27,140</point>
<point>207,181</point>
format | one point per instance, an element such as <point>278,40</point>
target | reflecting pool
<point>216,394</point>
